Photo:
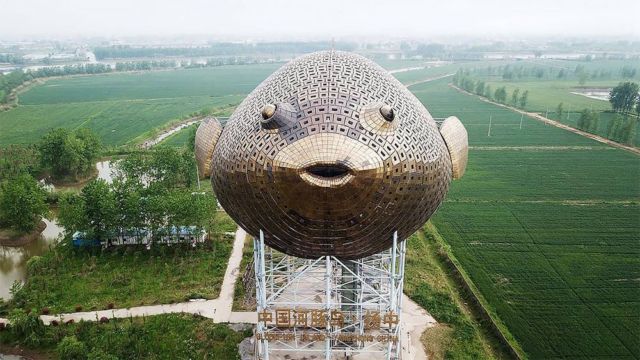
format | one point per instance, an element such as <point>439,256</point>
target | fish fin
<point>456,139</point>
<point>207,136</point>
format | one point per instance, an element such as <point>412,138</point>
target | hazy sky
<point>279,19</point>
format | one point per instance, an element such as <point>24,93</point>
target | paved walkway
<point>414,319</point>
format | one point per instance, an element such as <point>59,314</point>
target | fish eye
<point>268,111</point>
<point>387,112</point>
<point>276,116</point>
<point>379,118</point>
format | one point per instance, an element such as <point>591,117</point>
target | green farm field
<point>123,108</point>
<point>546,224</point>
<point>546,92</point>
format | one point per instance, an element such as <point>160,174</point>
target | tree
<point>560,111</point>
<point>624,96</point>
<point>500,94</point>
<point>628,72</point>
<point>583,77</point>
<point>515,96</point>
<point>72,215</point>
<point>523,99</point>
<point>487,92</point>
<point>67,153</point>
<point>22,203</point>
<point>18,159</point>
<point>480,88</point>
<point>70,348</point>
<point>588,120</point>
<point>100,209</point>
<point>27,326</point>
<point>561,74</point>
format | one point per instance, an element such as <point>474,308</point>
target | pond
<point>13,260</point>
<point>593,93</point>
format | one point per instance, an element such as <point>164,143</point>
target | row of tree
<point>220,49</point>
<point>12,80</point>
<point>464,81</point>
<point>580,72</point>
<point>619,128</point>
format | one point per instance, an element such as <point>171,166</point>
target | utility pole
<point>521,117</point>
<point>489,133</point>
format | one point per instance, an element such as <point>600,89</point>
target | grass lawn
<point>173,336</point>
<point>545,223</point>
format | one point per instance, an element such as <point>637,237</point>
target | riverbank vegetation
<point>172,336</point>
<point>68,155</point>
<point>154,191</point>
<point>67,279</point>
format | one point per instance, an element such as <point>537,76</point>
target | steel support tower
<point>327,306</point>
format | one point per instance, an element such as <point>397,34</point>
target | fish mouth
<point>327,174</point>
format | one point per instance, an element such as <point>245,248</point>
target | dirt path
<point>555,123</point>
<point>166,133</point>
<point>428,79</point>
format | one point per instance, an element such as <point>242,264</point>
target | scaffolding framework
<point>351,295</point>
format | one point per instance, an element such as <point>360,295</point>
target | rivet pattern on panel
<point>338,179</point>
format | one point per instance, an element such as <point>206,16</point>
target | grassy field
<point>123,107</point>
<point>63,278</point>
<point>181,138</point>
<point>548,91</point>
<point>546,224</point>
<point>174,336</point>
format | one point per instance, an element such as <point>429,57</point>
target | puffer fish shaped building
<point>331,155</point>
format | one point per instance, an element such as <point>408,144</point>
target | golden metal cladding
<point>455,136</point>
<point>206,137</point>
<point>329,156</point>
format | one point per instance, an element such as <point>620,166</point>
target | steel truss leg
<point>355,287</point>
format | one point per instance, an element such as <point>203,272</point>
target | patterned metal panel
<point>206,137</point>
<point>455,137</point>
<point>329,156</point>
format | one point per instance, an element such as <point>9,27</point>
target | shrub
<point>45,311</point>
<point>97,354</point>
<point>104,320</point>
<point>71,348</point>
<point>78,308</point>
<point>27,326</point>
<point>34,263</point>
